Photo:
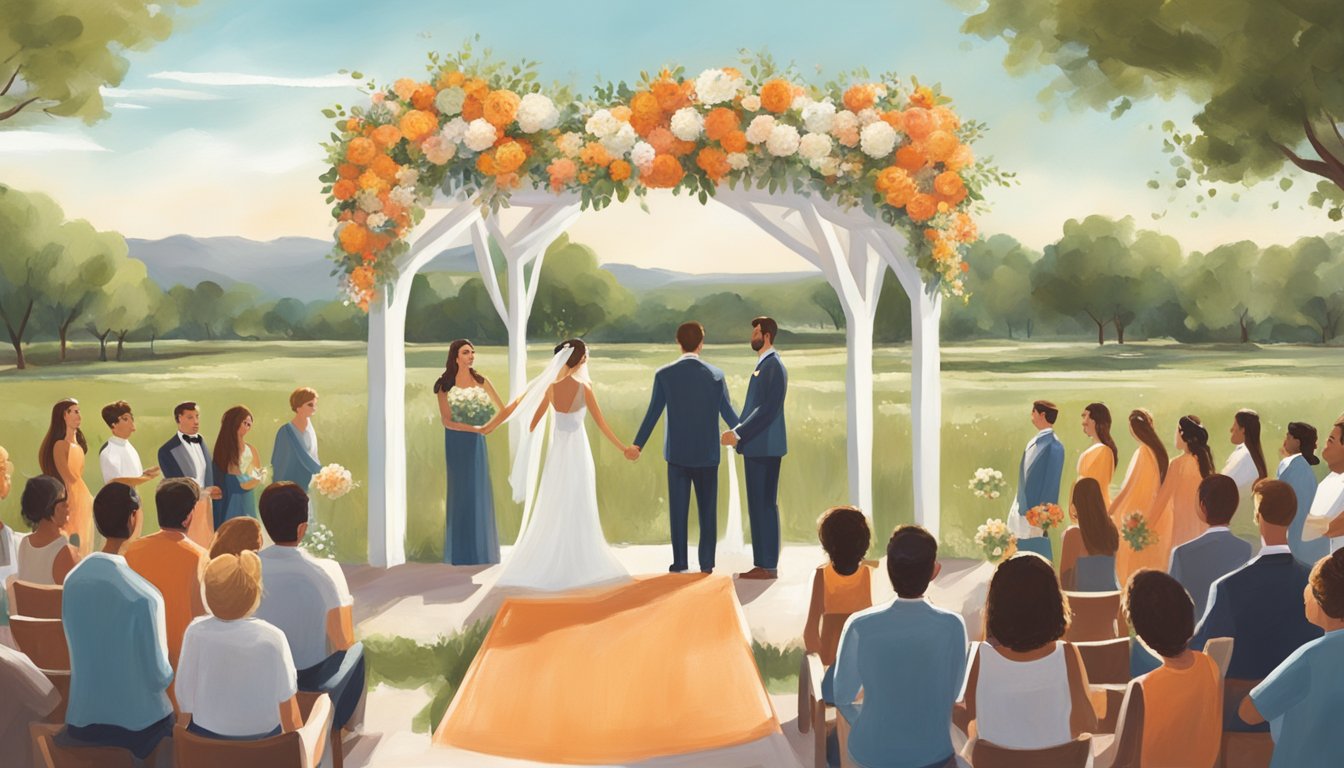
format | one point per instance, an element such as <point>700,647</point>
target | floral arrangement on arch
<point>481,128</point>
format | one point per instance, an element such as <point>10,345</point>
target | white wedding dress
<point>562,546</point>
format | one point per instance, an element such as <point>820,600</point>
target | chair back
<point>1094,616</point>
<point>1075,754</point>
<point>39,601</point>
<point>48,754</point>
<point>1106,661</point>
<point>297,749</point>
<point>60,680</point>
<point>1220,650</point>
<point>42,640</point>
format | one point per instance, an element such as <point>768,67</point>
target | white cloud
<point>240,79</point>
<point>159,93</point>
<point>32,142</point>
<point>128,105</point>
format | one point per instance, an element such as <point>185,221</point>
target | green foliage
<point>574,296</point>
<point>404,663</point>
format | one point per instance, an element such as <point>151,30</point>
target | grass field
<point>987,391</point>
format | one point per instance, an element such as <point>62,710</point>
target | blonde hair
<point>301,396</point>
<point>236,536</point>
<point>5,464</point>
<point>233,585</point>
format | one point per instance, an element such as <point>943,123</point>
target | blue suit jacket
<point>762,432</point>
<point>1038,483</point>
<point>1260,606</point>
<point>695,395</point>
<point>1298,474</point>
<point>1200,562</point>
<point>173,455</point>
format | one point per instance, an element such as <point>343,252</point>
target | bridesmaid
<point>1147,470</point>
<point>1087,549</point>
<point>470,537</point>
<point>1299,456</point>
<point>1101,458</point>
<point>1178,499</point>
<point>62,456</point>
<point>1246,464</point>
<point>237,467</point>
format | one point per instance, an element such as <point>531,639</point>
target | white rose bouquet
<point>988,483</point>
<point>471,406</point>
<point>333,481</point>
<point>994,538</point>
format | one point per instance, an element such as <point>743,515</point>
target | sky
<point>215,131</point>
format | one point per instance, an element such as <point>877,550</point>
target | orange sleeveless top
<point>841,596</point>
<point>1182,715</point>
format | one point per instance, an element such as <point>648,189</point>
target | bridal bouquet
<point>1136,531</point>
<point>471,406</point>
<point>995,539</point>
<point>333,481</point>
<point>988,483</point>
<point>1045,516</point>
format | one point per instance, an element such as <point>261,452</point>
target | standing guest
<point>1037,479</point>
<point>1246,464</point>
<point>308,600</point>
<point>1302,697</point>
<point>1027,688</point>
<point>237,466</point>
<point>1299,456</point>
<point>1147,470</point>
<point>237,678</point>
<point>1260,605</point>
<point>45,556</point>
<point>62,456</point>
<point>241,534</point>
<point>908,659</point>
<point>294,456</point>
<point>118,459</point>
<point>186,454</point>
<point>1101,458</point>
<point>1197,564</point>
<point>841,587</point>
<point>171,561</point>
<point>762,439</point>
<point>1179,494</point>
<point>1087,557</point>
<point>114,624</point>
<point>1325,519</point>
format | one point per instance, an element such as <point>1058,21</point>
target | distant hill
<point>641,279</point>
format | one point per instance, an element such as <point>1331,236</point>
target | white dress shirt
<point>1328,504</point>
<point>119,459</point>
<point>197,453</point>
<point>1241,468</point>
<point>759,358</point>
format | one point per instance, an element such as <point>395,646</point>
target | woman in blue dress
<point>238,467</point>
<point>470,537</point>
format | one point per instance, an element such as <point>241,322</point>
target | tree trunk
<point>1029,324</point>
<point>1010,328</point>
<point>1245,330</point>
<point>121,342</point>
<point>152,335</point>
<point>102,342</point>
<point>64,329</point>
<point>1119,333</point>
<point>16,337</point>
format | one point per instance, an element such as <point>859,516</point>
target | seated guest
<point>9,555</point>
<point>1302,696</point>
<point>236,536</point>
<point>171,561</point>
<point>840,588</point>
<point>1027,688</point>
<point>1087,550</point>
<point>1260,605</point>
<point>908,659</point>
<point>45,556</point>
<point>119,670</point>
<point>236,678</point>
<point>308,600</point>
<point>29,697</point>
<point>1216,552</point>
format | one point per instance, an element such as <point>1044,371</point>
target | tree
<point>823,295</point>
<point>1269,76</point>
<point>87,261</point>
<point>1002,266</point>
<point>1218,288</point>
<point>1308,280</point>
<point>28,223</point>
<point>574,295</point>
<point>120,307</point>
<point>56,55</point>
<point>163,315</point>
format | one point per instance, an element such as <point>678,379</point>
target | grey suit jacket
<point>1199,562</point>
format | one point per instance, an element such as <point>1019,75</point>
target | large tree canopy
<point>1268,74</point>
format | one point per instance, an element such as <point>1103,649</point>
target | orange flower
<point>501,107</point>
<point>585,177</point>
<point>352,124</point>
<point>682,148</point>
<point>661,139</point>
<point>894,118</point>
<point>595,154</point>
<point>951,199</point>
<point>897,185</point>
<point>922,97</point>
<point>720,122</point>
<point>621,113</point>
<point>777,95</point>
<point>921,207</point>
<point>910,158</point>
<point>713,162</point>
<point>508,180</point>
<point>619,170</point>
<point>453,78</point>
<point>361,218</point>
<point>918,123</point>
<point>485,163</point>
<point>385,167</point>
<point>361,151</point>
<point>670,94</point>
<point>965,267</point>
<point>733,72</point>
<point>860,97</point>
<point>392,211</point>
<point>418,125</point>
<point>940,145</point>
<point>645,114</point>
<point>371,180</point>
<point>362,278</point>
<point>665,173</point>
<point>946,119</point>
<point>347,171</point>
<point>735,141</point>
<point>405,88</point>
<point>509,158</point>
<point>963,229</point>
<point>386,136</point>
<point>562,171</point>
<point>423,98</point>
<point>476,88</point>
<point>948,183</point>
<point>472,109</point>
<point>344,189</point>
<point>961,158</point>
<point>354,238</point>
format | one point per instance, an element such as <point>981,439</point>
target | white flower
<point>714,86</point>
<point>454,130</point>
<point>408,177</point>
<point>402,196</point>
<point>570,144</point>
<point>642,155</point>
<point>751,102</point>
<point>536,112</point>
<point>800,103</point>
<point>783,141</point>
<point>738,160</point>
<point>877,139</point>
<point>818,116</point>
<point>367,200</point>
<point>480,135</point>
<point>687,123</point>
<point>868,116</point>
<point>759,129</point>
<point>997,552</point>
<point>449,101</point>
<point>602,124</point>
<point>621,141</point>
<point>814,147</point>
<point>377,220</point>
<point>829,166</point>
<point>844,121</point>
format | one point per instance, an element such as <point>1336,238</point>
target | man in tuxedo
<point>186,454</point>
<point>761,439</point>
<point>1198,563</point>
<point>1038,478</point>
<point>695,395</point>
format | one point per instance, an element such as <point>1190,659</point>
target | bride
<point>560,543</point>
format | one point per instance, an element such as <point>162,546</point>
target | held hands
<point>728,438</point>
<point>632,452</point>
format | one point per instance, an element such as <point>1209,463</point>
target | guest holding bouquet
<point>238,468</point>
<point>294,456</point>
<point>1147,470</point>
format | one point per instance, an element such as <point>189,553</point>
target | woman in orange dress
<point>1147,470</point>
<point>62,456</point>
<point>1178,499</point>
<point>1100,459</point>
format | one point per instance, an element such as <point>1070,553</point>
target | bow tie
<point>193,439</point>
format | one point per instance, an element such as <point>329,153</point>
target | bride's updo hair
<point>576,356</point>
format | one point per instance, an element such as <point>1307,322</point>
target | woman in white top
<point>1027,689</point>
<point>236,676</point>
<point>1246,464</point>
<point>45,556</point>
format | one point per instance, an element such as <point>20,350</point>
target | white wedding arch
<point>852,249</point>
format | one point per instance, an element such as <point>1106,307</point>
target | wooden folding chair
<point>811,706</point>
<point>1096,616</point>
<point>42,641</point>
<point>38,601</point>
<point>296,749</point>
<point>1075,754</point>
<point>1220,650</point>
<point>48,754</point>
<point>1242,750</point>
<point>1107,665</point>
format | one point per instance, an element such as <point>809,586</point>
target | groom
<point>695,396</point>
<point>1038,479</point>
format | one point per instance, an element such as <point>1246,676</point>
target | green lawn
<point>987,391</point>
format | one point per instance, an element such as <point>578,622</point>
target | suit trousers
<point>340,676</point>
<point>680,479</point>
<point>763,509</point>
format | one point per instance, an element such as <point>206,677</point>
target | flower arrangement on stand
<point>1136,531</point>
<point>987,483</point>
<point>995,540</point>
<point>1045,517</point>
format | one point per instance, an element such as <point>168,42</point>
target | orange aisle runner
<point>653,668</point>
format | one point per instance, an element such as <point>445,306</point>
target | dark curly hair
<point>1026,608</point>
<point>845,536</point>
<point>1161,612</point>
<point>1327,584</point>
<point>40,496</point>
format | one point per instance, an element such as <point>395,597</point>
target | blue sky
<point>215,130</point>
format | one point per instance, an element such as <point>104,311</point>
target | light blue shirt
<point>114,624</point>
<point>909,659</point>
<point>1302,699</point>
